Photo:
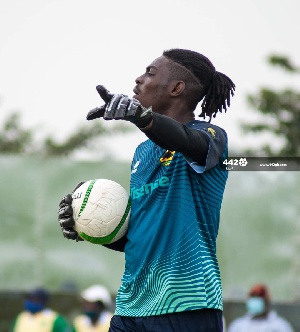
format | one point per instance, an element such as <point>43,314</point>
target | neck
<point>95,319</point>
<point>263,315</point>
<point>180,114</point>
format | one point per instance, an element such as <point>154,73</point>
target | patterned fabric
<point>171,264</point>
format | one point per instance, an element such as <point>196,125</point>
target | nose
<point>139,79</point>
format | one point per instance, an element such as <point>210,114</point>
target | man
<point>96,315</point>
<point>259,317</point>
<point>36,317</point>
<point>172,279</point>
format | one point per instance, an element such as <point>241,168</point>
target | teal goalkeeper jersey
<point>170,256</point>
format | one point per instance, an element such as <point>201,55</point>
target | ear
<point>177,88</point>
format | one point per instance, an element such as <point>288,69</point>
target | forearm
<point>175,136</point>
<point>118,245</point>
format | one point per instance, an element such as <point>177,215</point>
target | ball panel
<point>115,235</point>
<point>101,210</point>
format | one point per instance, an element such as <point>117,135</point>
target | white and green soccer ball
<point>101,210</point>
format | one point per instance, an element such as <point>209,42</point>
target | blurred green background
<point>259,236</point>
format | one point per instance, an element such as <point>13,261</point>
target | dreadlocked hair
<point>214,88</point>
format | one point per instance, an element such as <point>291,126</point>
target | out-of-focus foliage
<point>16,139</point>
<point>283,62</point>
<point>281,111</point>
<point>77,140</point>
<point>13,137</point>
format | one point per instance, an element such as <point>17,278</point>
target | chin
<point>144,103</point>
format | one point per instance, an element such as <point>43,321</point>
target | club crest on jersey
<point>212,132</point>
<point>166,158</point>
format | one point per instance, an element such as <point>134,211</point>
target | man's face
<point>91,306</point>
<point>152,87</point>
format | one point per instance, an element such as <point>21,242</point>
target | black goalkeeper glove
<point>65,217</point>
<point>121,107</point>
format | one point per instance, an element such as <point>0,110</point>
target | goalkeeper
<point>171,280</point>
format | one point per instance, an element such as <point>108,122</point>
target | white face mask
<point>255,306</point>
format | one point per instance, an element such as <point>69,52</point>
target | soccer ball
<point>101,210</point>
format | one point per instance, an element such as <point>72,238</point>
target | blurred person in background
<point>37,317</point>
<point>259,317</point>
<point>96,314</point>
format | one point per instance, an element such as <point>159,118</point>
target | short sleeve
<point>217,145</point>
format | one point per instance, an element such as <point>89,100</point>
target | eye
<point>150,72</point>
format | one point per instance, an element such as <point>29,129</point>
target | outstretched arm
<point>162,130</point>
<point>175,136</point>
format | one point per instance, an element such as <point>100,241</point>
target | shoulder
<point>237,324</point>
<point>280,321</point>
<point>203,125</point>
<point>213,132</point>
<point>105,317</point>
<point>49,312</point>
<point>81,319</point>
<point>144,144</point>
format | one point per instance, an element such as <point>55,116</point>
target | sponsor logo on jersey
<point>149,187</point>
<point>166,158</point>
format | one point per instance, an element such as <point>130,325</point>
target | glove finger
<point>96,113</point>
<point>133,107</point>
<point>79,184</point>
<point>120,112</point>
<point>66,200</point>
<point>65,211</point>
<point>111,107</point>
<point>104,93</point>
<point>70,234</point>
<point>66,222</point>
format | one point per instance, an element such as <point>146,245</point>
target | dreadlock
<point>214,88</point>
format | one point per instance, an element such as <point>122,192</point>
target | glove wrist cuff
<point>144,120</point>
<point>147,127</point>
